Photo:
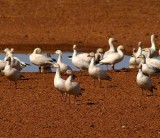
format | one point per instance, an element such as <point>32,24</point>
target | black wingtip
<point>69,56</point>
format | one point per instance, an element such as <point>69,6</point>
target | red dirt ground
<point>117,110</point>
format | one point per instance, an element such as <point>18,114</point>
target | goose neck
<point>112,48</point>
<point>59,58</point>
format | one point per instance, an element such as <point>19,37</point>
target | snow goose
<point>16,62</point>
<point>72,88</point>
<point>59,83</point>
<point>114,58</point>
<point>148,68</point>
<point>152,48</point>
<point>134,60</point>
<point>63,67</point>
<point>144,81</point>
<point>78,61</point>
<point>111,47</point>
<point>11,73</point>
<point>83,56</point>
<point>96,72</point>
<point>98,55</point>
<point>40,60</point>
<point>151,61</point>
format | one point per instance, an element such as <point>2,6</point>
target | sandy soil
<point>116,110</point>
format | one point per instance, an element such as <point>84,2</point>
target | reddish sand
<point>116,110</point>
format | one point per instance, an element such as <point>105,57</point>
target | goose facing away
<point>111,47</point>
<point>63,67</point>
<point>11,73</point>
<point>78,61</point>
<point>40,60</point>
<point>98,55</point>
<point>114,58</point>
<point>59,83</point>
<point>144,82</point>
<point>96,72</point>
<point>72,88</point>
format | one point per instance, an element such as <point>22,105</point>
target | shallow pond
<point>25,57</point>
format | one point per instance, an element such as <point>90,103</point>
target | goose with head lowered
<point>38,59</point>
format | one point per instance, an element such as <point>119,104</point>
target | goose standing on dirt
<point>114,58</point>
<point>11,73</point>
<point>72,88</point>
<point>152,49</point>
<point>144,82</point>
<point>40,60</point>
<point>59,83</point>
<point>63,67</point>
<point>96,72</point>
<point>78,61</point>
<point>111,47</point>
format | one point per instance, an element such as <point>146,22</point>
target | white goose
<point>96,72</point>
<point>40,60</point>
<point>63,67</point>
<point>148,68</point>
<point>72,88</point>
<point>11,73</point>
<point>144,82</point>
<point>83,56</point>
<point>114,58</point>
<point>78,61</point>
<point>59,83</point>
<point>150,61</point>
<point>16,62</point>
<point>111,47</point>
<point>134,60</point>
<point>152,49</point>
<point>98,55</point>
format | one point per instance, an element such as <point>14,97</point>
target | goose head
<point>74,47</point>
<point>121,47</point>
<point>6,50</point>
<point>111,40</point>
<point>91,54</point>
<point>37,51</point>
<point>99,50</point>
<point>70,72</point>
<point>58,52</point>
<point>56,65</point>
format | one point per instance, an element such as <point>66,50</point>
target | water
<point>33,68</point>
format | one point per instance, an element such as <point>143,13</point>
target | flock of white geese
<point>143,58</point>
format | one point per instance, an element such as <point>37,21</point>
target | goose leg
<point>69,99</point>
<point>15,85</point>
<point>94,81</point>
<point>142,91</point>
<point>81,72</point>
<point>61,96</point>
<point>65,95</point>
<point>75,100</point>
